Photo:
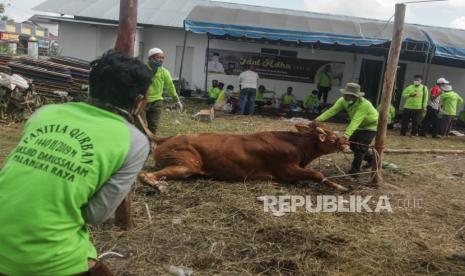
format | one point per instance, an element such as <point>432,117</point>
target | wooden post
<point>388,85</point>
<point>125,44</point>
<point>127,27</point>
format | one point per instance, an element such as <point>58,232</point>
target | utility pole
<point>388,85</point>
<point>125,44</point>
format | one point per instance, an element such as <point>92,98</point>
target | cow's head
<point>327,141</point>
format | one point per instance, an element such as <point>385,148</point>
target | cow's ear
<point>322,137</point>
<point>303,129</point>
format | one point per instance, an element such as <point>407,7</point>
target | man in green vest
<point>259,101</point>
<point>391,115</point>
<point>416,100</point>
<point>311,102</point>
<point>74,165</point>
<point>449,102</point>
<point>363,123</point>
<point>324,83</point>
<point>213,92</point>
<point>288,100</point>
<point>161,81</point>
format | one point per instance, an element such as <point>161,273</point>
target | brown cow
<point>280,155</point>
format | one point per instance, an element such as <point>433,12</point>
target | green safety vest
<point>311,101</point>
<point>391,113</point>
<point>161,81</point>
<point>214,92</point>
<point>450,101</point>
<point>259,96</point>
<point>287,100</point>
<point>67,152</point>
<point>362,115</point>
<point>324,79</point>
<point>420,101</point>
<point>221,97</point>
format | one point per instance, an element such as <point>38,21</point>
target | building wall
<point>87,42</point>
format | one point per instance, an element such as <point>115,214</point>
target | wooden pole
<point>388,85</point>
<point>127,27</point>
<point>125,44</point>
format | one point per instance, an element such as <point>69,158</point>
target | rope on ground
<point>407,167</point>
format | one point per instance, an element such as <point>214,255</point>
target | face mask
<point>229,90</point>
<point>155,64</point>
<point>350,102</point>
<point>416,82</point>
<point>216,58</point>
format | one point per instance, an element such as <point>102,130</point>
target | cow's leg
<point>155,179</point>
<point>295,173</point>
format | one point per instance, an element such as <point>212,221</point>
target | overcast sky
<point>450,13</point>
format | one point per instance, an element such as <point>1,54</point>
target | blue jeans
<point>247,101</point>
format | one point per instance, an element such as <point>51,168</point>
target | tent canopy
<point>315,28</point>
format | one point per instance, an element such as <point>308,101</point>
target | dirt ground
<point>220,228</point>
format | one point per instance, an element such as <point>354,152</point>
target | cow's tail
<point>152,137</point>
<point>147,131</point>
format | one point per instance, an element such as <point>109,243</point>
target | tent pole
<point>206,62</point>
<point>182,62</point>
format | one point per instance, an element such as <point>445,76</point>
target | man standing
<point>324,83</point>
<point>248,85</point>
<point>74,165</point>
<point>431,120</point>
<point>363,122</point>
<point>161,81</point>
<point>416,99</point>
<point>450,100</point>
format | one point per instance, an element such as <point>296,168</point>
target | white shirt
<point>248,79</point>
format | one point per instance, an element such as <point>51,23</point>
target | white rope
<point>378,171</point>
<point>111,254</point>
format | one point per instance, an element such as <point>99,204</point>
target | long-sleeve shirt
<point>161,81</point>
<point>213,92</point>
<point>419,101</point>
<point>363,115</point>
<point>324,79</point>
<point>311,101</point>
<point>391,113</point>
<point>450,101</point>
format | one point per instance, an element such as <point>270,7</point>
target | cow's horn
<point>320,130</point>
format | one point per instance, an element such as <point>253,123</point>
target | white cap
<point>155,51</point>
<point>442,80</point>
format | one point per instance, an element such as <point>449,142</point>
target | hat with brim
<point>352,89</point>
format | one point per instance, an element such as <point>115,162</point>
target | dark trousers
<point>323,91</point>
<point>152,115</point>
<point>446,124</point>
<point>361,152</point>
<point>247,101</point>
<point>430,122</point>
<point>408,115</point>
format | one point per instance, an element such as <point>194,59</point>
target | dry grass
<point>220,228</point>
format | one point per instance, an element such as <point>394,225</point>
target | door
<point>370,79</point>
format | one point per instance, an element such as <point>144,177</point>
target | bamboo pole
<point>388,85</point>
<point>125,44</point>
<point>432,151</point>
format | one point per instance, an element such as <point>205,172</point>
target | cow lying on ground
<point>278,155</point>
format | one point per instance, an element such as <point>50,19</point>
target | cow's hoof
<point>341,188</point>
